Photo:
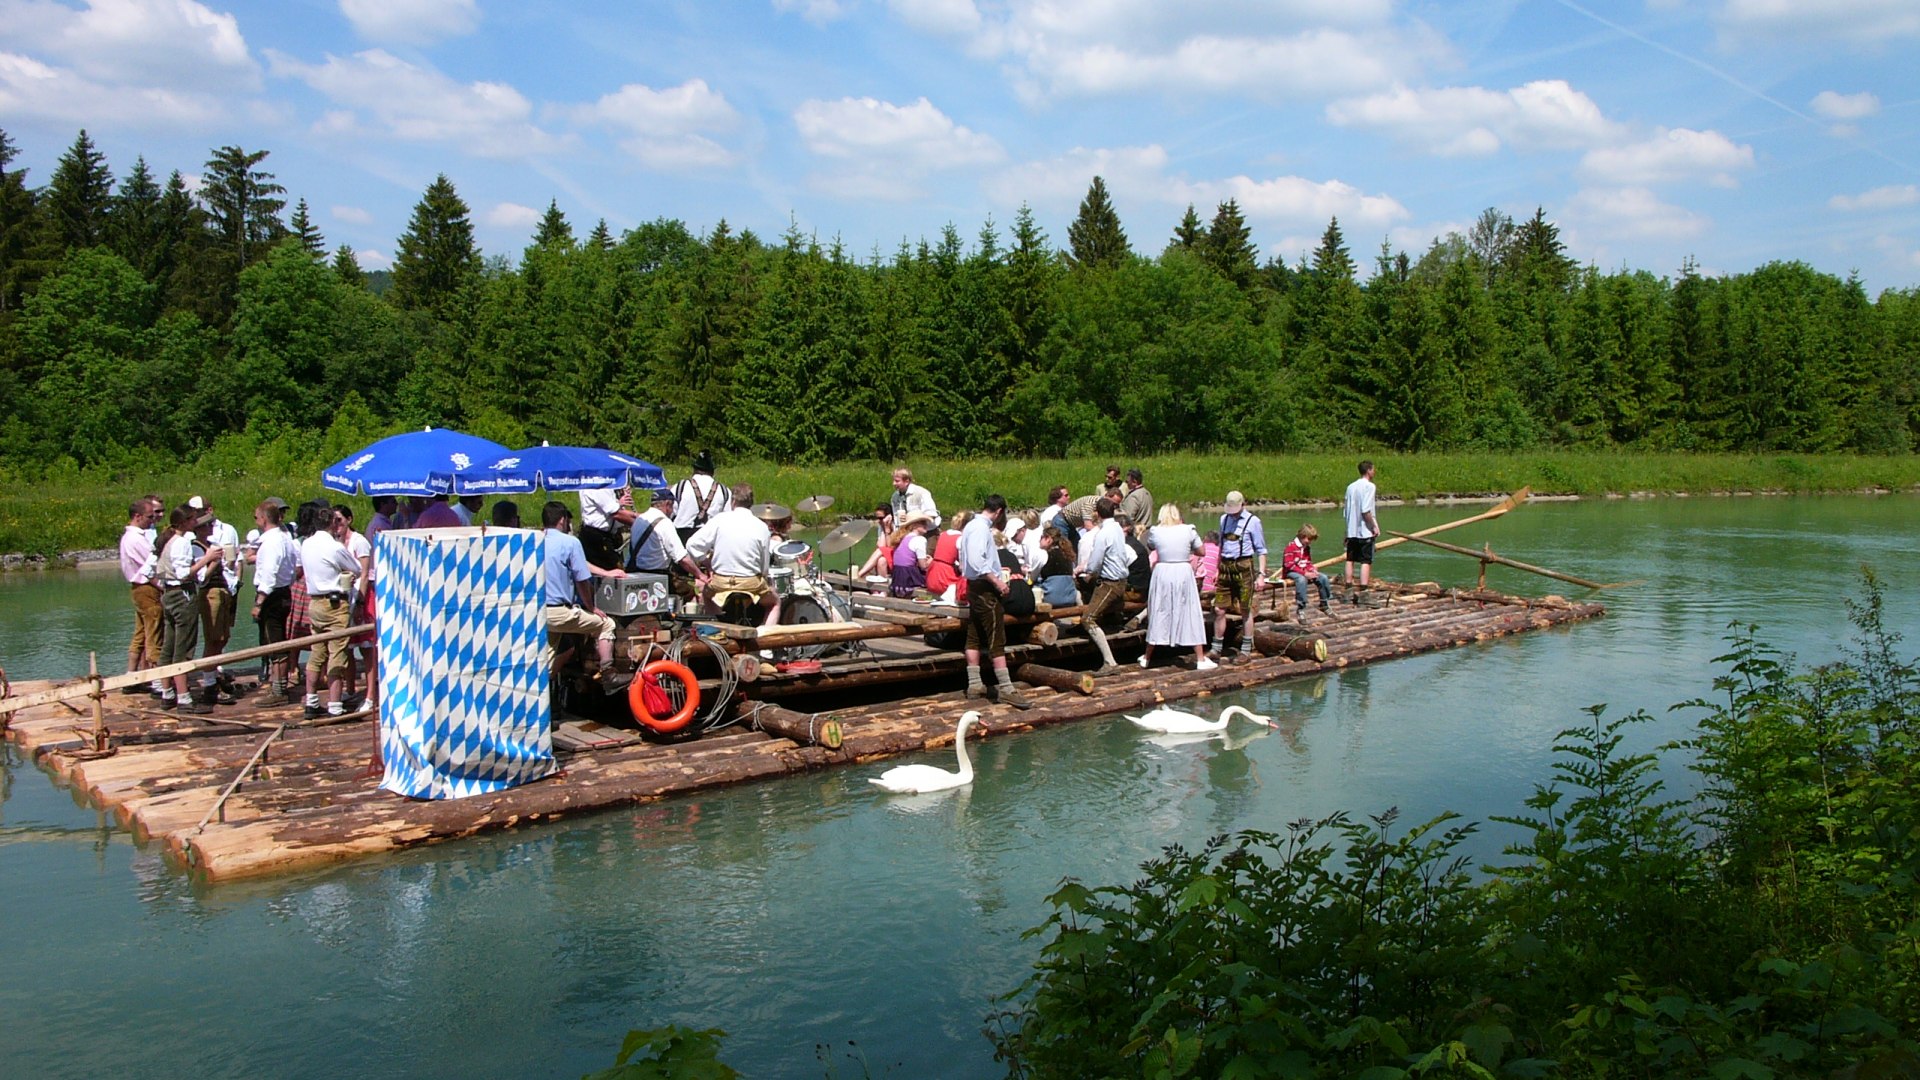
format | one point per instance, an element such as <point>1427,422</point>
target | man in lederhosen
<point>656,549</point>
<point>1243,570</point>
<point>699,498</point>
<point>986,589</point>
<point>1104,562</point>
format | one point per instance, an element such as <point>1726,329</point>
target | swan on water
<point>913,779</point>
<point>1178,722</point>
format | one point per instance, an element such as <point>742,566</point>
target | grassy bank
<point>80,510</point>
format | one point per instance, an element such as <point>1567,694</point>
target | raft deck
<point>255,790</point>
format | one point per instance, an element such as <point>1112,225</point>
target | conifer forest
<point>143,320</point>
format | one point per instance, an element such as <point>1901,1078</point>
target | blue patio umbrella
<point>429,462</point>
<point>563,468</point>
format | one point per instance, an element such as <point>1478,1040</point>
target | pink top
<point>438,515</point>
<point>135,550</point>
<point>1209,566</point>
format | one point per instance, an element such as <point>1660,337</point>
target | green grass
<point>77,510</point>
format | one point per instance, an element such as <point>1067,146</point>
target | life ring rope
<point>636,697</point>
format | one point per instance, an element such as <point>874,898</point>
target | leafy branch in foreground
<point>1766,929</point>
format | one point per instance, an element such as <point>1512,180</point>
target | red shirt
<point>1298,559</point>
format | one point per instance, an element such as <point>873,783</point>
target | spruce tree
<point>346,267</point>
<point>602,237</point>
<point>554,232</point>
<point>77,198</point>
<point>16,228</point>
<point>1229,248</point>
<point>133,220</point>
<point>437,257</point>
<point>302,226</point>
<point>1095,239</point>
<point>1189,235</point>
<point>243,204</point>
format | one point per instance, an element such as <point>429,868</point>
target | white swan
<point>1178,722</point>
<point>913,779</point>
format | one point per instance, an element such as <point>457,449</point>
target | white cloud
<point>1472,120</point>
<point>1891,197</point>
<point>411,22</point>
<point>352,215</point>
<point>666,129</point>
<point>1670,155</point>
<point>1869,23</point>
<point>1306,65</point>
<point>373,260</point>
<point>1630,212</point>
<point>881,150</point>
<point>508,215</point>
<point>417,104</point>
<point>818,12</point>
<point>176,45</point>
<point>917,136</point>
<point>1837,106</point>
<point>1062,181</point>
<point>1295,199</point>
<point>948,18</point>
<point>30,88</point>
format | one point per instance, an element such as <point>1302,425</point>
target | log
<point>1067,682</point>
<point>807,729</point>
<point>1303,646</point>
<point>746,667</point>
<point>1487,556</point>
<point>1044,633</point>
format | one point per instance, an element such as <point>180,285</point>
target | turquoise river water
<point>830,929</point>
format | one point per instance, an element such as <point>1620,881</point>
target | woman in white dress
<point>1173,597</point>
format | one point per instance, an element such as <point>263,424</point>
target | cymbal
<point>849,533</point>
<point>813,504</point>
<point>771,512</point>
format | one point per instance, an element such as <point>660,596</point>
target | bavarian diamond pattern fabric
<point>463,695</point>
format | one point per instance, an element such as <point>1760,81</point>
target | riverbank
<point>50,520</point>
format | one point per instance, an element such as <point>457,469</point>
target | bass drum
<point>809,611</point>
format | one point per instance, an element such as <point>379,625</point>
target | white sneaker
<point>1205,665</point>
<point>1143,661</point>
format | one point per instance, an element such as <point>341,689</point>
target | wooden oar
<point>1510,502</point>
<point>1487,556</point>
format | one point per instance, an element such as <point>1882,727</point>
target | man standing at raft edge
<point>1362,530</point>
<point>986,589</point>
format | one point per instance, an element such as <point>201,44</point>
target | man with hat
<point>737,547</point>
<point>215,597</point>
<point>1243,569</point>
<point>699,498</point>
<point>656,548</point>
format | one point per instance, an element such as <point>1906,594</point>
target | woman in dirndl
<point>1173,596</point>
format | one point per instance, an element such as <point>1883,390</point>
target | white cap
<point>253,536</point>
<point>1235,501</point>
<point>197,503</point>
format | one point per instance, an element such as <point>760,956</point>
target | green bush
<point>1768,928</point>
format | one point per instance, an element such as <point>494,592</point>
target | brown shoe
<point>976,692</point>
<point>1010,695</point>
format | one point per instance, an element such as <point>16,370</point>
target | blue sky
<point>1732,131</point>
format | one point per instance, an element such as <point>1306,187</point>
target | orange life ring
<point>668,724</point>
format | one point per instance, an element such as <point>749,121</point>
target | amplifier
<point>635,594</point>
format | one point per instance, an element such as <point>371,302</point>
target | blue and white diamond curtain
<point>463,695</point>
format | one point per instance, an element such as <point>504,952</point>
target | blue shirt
<point>1253,539</point>
<point>566,564</point>
<point>979,556</point>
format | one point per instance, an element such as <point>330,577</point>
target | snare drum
<point>791,553</point>
<point>781,578</point>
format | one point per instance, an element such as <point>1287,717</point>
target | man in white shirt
<point>605,514</point>
<point>910,498</point>
<point>656,548</point>
<point>275,564</point>
<point>136,551</point>
<point>1055,515</point>
<point>699,498</point>
<point>331,571</point>
<point>737,547</point>
<point>1362,530</point>
<point>979,564</point>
